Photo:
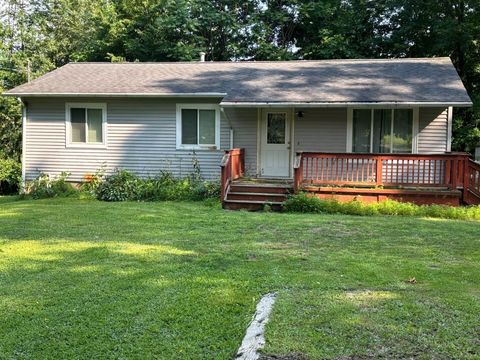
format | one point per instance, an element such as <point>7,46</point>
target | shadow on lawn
<point>117,298</point>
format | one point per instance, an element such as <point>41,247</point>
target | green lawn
<point>87,279</point>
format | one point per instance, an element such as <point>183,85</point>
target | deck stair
<point>255,194</point>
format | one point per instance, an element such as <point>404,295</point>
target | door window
<point>276,128</point>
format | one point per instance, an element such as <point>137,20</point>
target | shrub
<point>10,176</point>
<point>310,204</point>
<point>46,187</point>
<point>303,203</point>
<point>92,181</point>
<point>123,185</point>
<point>206,190</point>
<point>120,186</point>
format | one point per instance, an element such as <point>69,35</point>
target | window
<point>382,131</point>
<point>276,128</point>
<point>197,126</point>
<point>86,124</point>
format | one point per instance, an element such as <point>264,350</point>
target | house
<point>343,128</point>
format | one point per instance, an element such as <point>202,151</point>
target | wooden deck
<point>448,179</point>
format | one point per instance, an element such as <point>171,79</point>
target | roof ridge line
<point>439,58</point>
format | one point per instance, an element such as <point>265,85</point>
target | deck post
<point>297,172</point>
<point>379,171</point>
<point>466,179</point>
<point>224,177</point>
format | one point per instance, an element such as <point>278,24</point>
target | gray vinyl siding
<point>321,130</point>
<point>141,137</point>
<point>244,124</point>
<point>432,130</point>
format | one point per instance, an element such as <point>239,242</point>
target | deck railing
<point>472,179</point>
<point>232,167</point>
<point>404,170</point>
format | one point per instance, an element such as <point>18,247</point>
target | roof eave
<point>347,104</point>
<point>116,95</point>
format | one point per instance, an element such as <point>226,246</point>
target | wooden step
<point>251,205</point>
<point>261,188</point>
<point>265,197</point>
<point>255,194</point>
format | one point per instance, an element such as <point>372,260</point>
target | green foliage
<point>10,176</point>
<point>91,182</point>
<point>45,186</point>
<point>303,203</point>
<point>50,33</point>
<point>121,186</point>
<point>10,128</point>
<point>124,185</point>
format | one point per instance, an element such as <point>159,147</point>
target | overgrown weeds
<point>304,203</point>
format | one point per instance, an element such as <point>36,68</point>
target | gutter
<point>154,95</point>
<point>344,104</point>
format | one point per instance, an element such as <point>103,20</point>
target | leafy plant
<point>10,176</point>
<point>45,186</point>
<point>120,186</point>
<point>304,203</point>
<point>124,185</point>
<point>92,181</point>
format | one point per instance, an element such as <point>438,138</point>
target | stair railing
<point>232,168</point>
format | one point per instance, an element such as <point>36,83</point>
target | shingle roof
<point>432,80</point>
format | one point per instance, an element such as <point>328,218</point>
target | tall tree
<point>44,34</point>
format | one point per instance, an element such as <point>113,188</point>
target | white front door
<point>275,144</point>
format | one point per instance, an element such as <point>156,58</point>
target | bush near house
<point>124,185</point>
<point>46,186</point>
<point>10,176</point>
<point>303,203</point>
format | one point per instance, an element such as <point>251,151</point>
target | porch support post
<point>298,173</point>
<point>379,171</point>
<point>466,178</point>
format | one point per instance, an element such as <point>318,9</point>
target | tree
<point>49,33</point>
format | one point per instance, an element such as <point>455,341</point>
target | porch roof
<point>431,81</point>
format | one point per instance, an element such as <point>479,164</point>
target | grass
<point>85,279</point>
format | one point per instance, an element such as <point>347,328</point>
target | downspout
<point>230,124</point>
<point>24,142</point>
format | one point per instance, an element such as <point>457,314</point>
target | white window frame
<point>68,125</point>
<point>415,112</point>
<point>197,107</point>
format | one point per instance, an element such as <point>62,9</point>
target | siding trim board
<point>415,130</point>
<point>449,128</point>
<point>24,141</point>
